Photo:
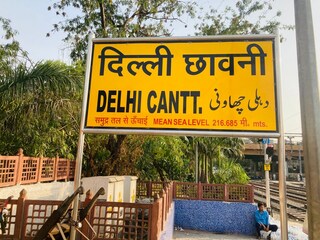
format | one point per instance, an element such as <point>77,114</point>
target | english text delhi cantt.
<point>117,101</point>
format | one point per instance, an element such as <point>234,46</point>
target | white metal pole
<point>310,111</point>
<point>281,154</point>
<point>266,174</point>
<point>77,178</point>
<point>282,189</point>
<point>78,169</point>
<point>197,162</point>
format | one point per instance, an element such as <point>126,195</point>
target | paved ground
<point>191,235</point>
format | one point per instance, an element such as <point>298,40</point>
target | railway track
<point>296,198</point>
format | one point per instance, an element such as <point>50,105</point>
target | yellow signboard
<point>182,84</point>
<point>267,167</point>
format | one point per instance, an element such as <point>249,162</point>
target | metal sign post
<point>78,169</point>
<point>281,156</point>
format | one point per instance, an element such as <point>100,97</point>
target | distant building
<point>254,161</point>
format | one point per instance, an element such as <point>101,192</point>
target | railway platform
<point>295,232</point>
<point>201,235</point>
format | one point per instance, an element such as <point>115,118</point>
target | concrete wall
<point>167,233</point>
<point>40,191</point>
<point>113,185</point>
<point>214,216</point>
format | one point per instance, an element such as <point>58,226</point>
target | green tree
<point>247,17</point>
<point>116,18</point>
<point>163,159</point>
<point>112,154</point>
<point>11,53</point>
<point>39,103</point>
<point>39,108</point>
<point>228,171</point>
<point>211,150</point>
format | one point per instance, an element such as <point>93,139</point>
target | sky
<point>33,21</point>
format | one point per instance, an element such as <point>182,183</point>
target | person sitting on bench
<point>262,221</point>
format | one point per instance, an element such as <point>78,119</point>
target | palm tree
<point>228,171</point>
<point>212,151</point>
<point>39,107</point>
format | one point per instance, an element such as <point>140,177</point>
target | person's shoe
<point>269,237</point>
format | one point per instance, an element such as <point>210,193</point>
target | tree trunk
<point>103,19</point>
<point>114,146</point>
